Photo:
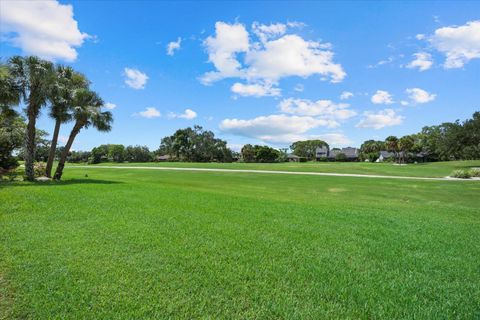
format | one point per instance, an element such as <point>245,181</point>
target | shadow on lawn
<point>57,183</point>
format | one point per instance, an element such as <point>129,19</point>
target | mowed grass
<point>431,169</point>
<point>132,244</point>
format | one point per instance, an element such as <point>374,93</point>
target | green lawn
<point>132,244</point>
<point>432,169</point>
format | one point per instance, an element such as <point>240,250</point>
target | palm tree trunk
<point>30,146</point>
<point>53,147</point>
<point>63,157</point>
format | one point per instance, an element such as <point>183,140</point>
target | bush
<point>475,172</point>
<point>340,157</point>
<point>322,159</point>
<point>302,159</point>
<point>462,174</point>
<point>40,169</point>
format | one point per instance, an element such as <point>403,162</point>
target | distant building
<point>350,153</point>
<point>163,158</point>
<point>293,158</point>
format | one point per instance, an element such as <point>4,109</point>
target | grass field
<point>131,244</point>
<point>432,169</point>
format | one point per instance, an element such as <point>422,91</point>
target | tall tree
<point>33,76</point>
<point>391,144</point>
<point>405,145</point>
<point>308,148</point>
<point>87,112</point>
<point>61,96</point>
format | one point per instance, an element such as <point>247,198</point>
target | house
<point>321,152</point>
<point>293,158</point>
<point>385,155</point>
<point>163,158</point>
<point>350,153</point>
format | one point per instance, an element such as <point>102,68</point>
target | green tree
<point>248,153</point>
<point>266,154</point>
<point>307,148</point>
<point>61,95</point>
<point>116,152</point>
<point>87,112</point>
<point>12,132</point>
<point>391,144</point>
<point>405,145</point>
<point>33,77</point>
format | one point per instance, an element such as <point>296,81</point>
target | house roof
<point>292,156</point>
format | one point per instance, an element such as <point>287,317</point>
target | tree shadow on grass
<point>54,183</point>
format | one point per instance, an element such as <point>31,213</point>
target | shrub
<point>475,172</point>
<point>302,159</point>
<point>340,157</point>
<point>39,169</point>
<point>322,159</point>
<point>462,174</point>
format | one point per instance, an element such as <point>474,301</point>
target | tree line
<point>36,83</point>
<point>447,141</point>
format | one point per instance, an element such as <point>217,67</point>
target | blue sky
<point>254,72</point>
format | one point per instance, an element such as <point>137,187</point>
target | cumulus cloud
<point>380,119</point>
<point>273,128</point>
<point>423,61</point>
<point>172,46</point>
<point>254,90</point>
<point>325,109</point>
<point>276,55</point>
<point>188,114</point>
<point>334,138</point>
<point>382,97</point>
<point>459,44</point>
<point>110,106</point>
<point>346,95</point>
<point>419,96</point>
<point>135,79</point>
<point>43,28</point>
<point>150,112</point>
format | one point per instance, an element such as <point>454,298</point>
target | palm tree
<point>33,76</point>
<point>61,96</point>
<point>9,92</point>
<point>87,112</point>
<point>405,145</point>
<point>391,144</point>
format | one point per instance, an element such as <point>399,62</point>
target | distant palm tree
<point>33,76</point>
<point>61,96</point>
<point>86,112</point>
<point>391,144</point>
<point>10,93</point>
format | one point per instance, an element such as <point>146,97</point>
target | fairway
<point>131,244</point>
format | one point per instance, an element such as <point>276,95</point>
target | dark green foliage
<point>370,150</point>
<point>12,133</point>
<point>138,154</point>
<point>261,154</point>
<point>340,157</point>
<point>307,148</point>
<point>195,145</point>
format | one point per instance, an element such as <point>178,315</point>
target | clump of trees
<point>447,141</point>
<point>39,83</point>
<point>307,149</point>
<point>195,145</point>
<point>258,153</point>
<point>120,153</point>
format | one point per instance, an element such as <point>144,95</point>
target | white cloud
<point>43,28</point>
<point>188,114</point>
<point>265,32</point>
<point>420,36</point>
<point>254,90</point>
<point>382,62</point>
<point>277,55</point>
<point>460,44</point>
<point>229,40</point>
<point>423,61</point>
<point>174,45</point>
<point>299,87</point>
<point>273,128</point>
<point>150,112</point>
<point>404,103</point>
<point>382,97</point>
<point>418,95</point>
<point>380,119</point>
<point>135,79</point>
<point>110,106</point>
<point>324,109</point>
<point>334,138</point>
<point>346,95</point>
